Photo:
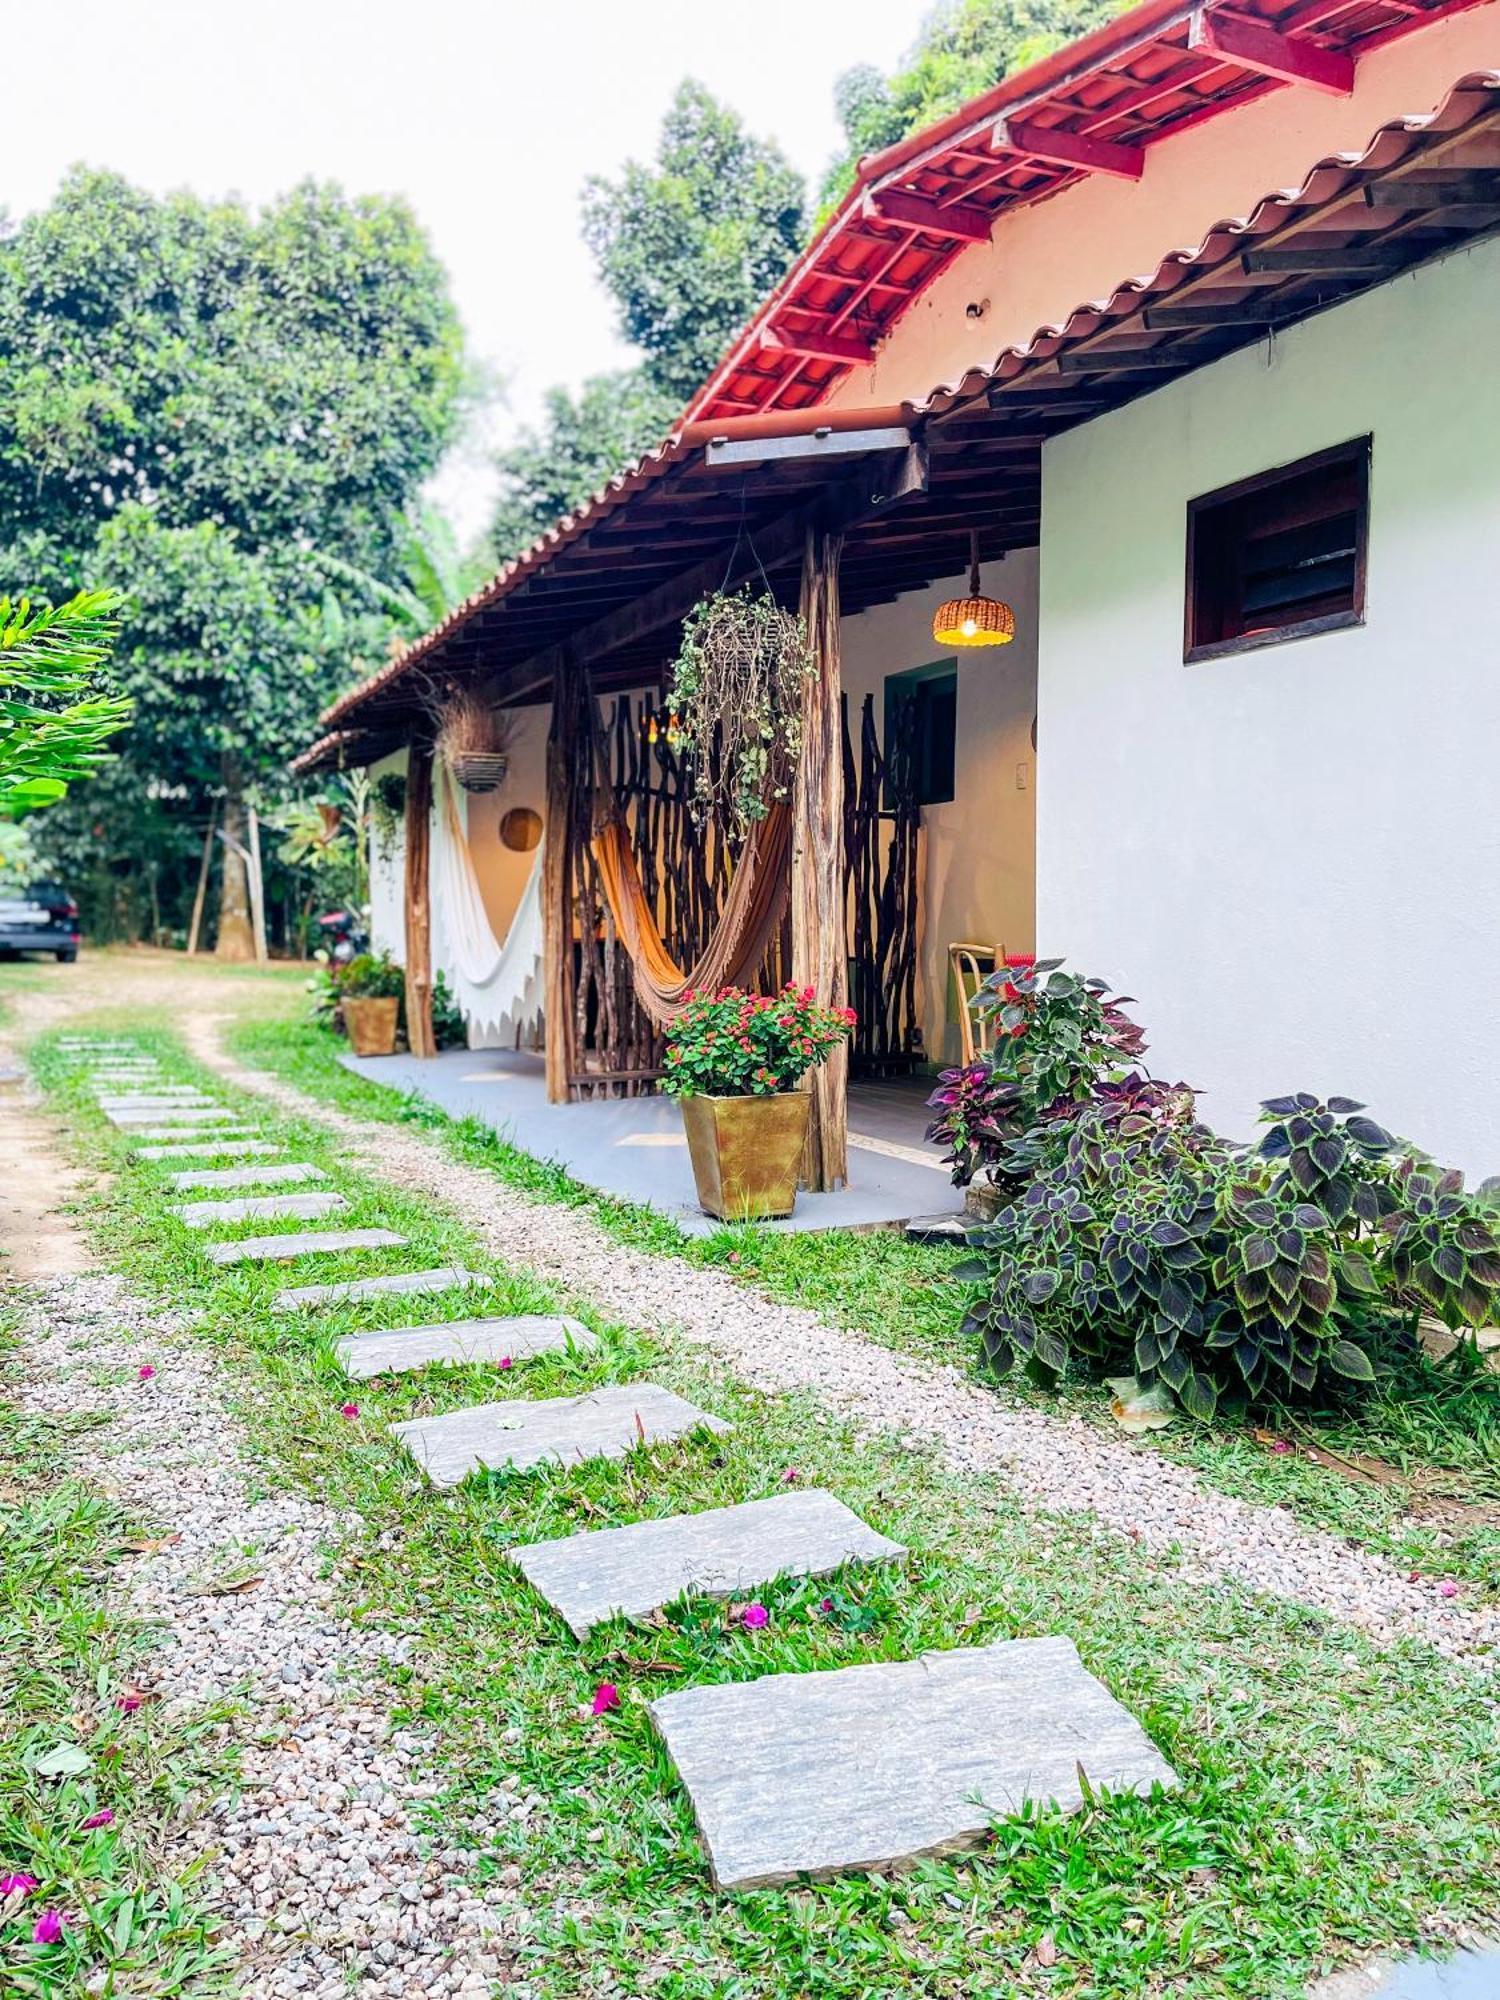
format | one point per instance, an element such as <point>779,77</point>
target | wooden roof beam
<point>1437,187</point>
<point>957,222</point>
<point>1068,149</point>
<point>1253,46</point>
<point>817,346</point>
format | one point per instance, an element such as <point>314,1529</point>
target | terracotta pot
<point>746,1152</point>
<point>372,1026</point>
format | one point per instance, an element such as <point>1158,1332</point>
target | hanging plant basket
<point>735,705</point>
<point>473,740</point>
<point>480,770</point>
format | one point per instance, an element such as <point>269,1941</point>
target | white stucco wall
<point>1291,856</point>
<point>387,876</point>
<point>978,860</point>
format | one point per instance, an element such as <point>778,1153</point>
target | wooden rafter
<point>1068,149</point>
<point>1253,46</point>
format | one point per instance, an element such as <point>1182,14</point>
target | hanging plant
<point>474,741</point>
<point>736,705</point>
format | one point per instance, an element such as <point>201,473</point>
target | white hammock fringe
<point>497,986</point>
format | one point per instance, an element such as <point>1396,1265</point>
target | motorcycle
<point>344,936</point>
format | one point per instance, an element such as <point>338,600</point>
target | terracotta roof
<point>1140,79</point>
<point>1029,392</point>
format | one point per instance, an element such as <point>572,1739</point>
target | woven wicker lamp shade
<point>975,620</point>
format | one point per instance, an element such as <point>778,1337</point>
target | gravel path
<point>324,1888</point>
<point>779,1347</point>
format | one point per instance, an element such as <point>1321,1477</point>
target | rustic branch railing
<point>882,844</point>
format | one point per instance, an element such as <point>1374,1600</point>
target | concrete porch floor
<point>634,1146</point>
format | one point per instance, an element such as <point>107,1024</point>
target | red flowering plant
<point>737,1044</point>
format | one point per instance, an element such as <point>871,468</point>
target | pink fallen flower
<point>1447,1588</point>
<point>606,1697</point>
<point>18,1885</point>
<point>48,1928</point>
<point>826,1607</point>
<point>349,1410</point>
<point>1281,1444</point>
<point>127,1704</point>
<point>507,1361</point>
<point>104,1818</point>
<point>790,1476</point>
<point>755,1615</point>
<point>144,1372</point>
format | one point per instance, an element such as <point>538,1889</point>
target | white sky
<point>487,117</point>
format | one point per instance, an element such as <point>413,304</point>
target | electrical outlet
<point>1023,776</point>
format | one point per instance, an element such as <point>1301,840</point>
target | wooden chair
<point>971,965</point>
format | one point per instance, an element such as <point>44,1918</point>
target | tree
<point>56,718</point>
<point>691,245</point>
<point>429,577</point>
<point>688,246</point>
<point>966,47</point>
<point>581,442</point>
<point>192,398</point>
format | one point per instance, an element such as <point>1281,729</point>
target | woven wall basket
<point>480,770</point>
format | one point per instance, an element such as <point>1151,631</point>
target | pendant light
<point>975,620</point>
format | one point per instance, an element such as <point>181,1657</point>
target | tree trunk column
<point>819,951</point>
<point>557,881</point>
<point>236,940</point>
<point>418,902</point>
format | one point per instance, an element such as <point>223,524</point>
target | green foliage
<point>429,576</point>
<point>690,245</point>
<point>734,1044</point>
<point>736,704</point>
<point>449,1028</point>
<point>965,47</point>
<point>1144,1244</point>
<point>581,443</point>
<point>56,721</point>
<point>370,977</point>
<point>196,395</point>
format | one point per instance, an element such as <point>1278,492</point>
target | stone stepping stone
<point>228,1145</point>
<point>237,1177</point>
<point>518,1338</point>
<point>605,1423</point>
<point>157,1100</point>
<point>300,1243</point>
<point>259,1208</point>
<point>867,1767</point>
<point>445,1278</point>
<point>178,1131</point>
<point>723,1552</point>
<point>180,1114</point>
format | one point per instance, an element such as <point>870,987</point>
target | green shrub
<point>1144,1244</point>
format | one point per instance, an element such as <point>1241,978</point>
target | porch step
<point>401,1348</point>
<point>258,1208</point>
<point>227,1146</point>
<point>871,1766</point>
<point>444,1278</point>
<point>301,1243</point>
<point>722,1552</point>
<point>235,1177</point>
<point>605,1423</point>
<point>945,1228</point>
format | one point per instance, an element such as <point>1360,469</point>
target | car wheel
<point>67,957</point>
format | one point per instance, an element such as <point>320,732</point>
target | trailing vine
<point>736,705</point>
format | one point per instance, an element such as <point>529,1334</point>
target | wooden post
<point>819,947</point>
<point>557,879</point>
<point>419,1036</point>
<point>198,900</point>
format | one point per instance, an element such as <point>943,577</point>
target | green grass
<point>66,1656</point>
<point>1335,1796</point>
<point>1438,1427</point>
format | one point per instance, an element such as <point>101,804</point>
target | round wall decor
<point>520,829</point>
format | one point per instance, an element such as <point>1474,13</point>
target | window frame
<point>931,672</point>
<point>1356,455</point>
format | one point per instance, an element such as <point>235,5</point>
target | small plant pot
<point>746,1153</point>
<point>371,1025</point>
<point>480,770</point>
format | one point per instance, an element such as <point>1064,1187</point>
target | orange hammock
<point>759,891</point>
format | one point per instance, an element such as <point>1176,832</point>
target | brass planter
<point>746,1153</point>
<point>372,1026</point>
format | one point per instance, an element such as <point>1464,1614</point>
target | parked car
<point>42,917</point>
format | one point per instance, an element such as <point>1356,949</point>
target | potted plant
<point>734,1061</point>
<point>370,991</point>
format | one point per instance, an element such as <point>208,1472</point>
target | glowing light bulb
<point>969,628</point>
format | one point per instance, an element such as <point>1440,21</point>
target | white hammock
<point>498,986</point>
